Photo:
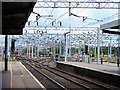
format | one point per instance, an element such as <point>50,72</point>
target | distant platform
<point>107,73</point>
<point>19,77</point>
<point>106,68</point>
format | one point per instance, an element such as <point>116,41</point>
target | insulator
<point>26,31</point>
<point>60,23</point>
<point>37,23</point>
<point>29,23</point>
<point>52,23</point>
<point>36,18</point>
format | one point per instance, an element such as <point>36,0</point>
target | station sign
<point>12,32</point>
<point>80,52</point>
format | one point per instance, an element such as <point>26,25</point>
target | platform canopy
<point>14,16</point>
<point>111,25</point>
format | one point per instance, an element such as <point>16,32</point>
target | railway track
<point>84,81</point>
<point>80,78</point>
<point>47,81</point>
<point>61,82</point>
<point>66,80</point>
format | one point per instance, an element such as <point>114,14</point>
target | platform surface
<point>18,76</point>
<point>105,67</point>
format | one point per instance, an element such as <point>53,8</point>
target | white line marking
<point>33,77</point>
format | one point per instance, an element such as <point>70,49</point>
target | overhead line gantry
<point>78,4</point>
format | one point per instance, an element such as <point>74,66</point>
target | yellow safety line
<point>11,84</point>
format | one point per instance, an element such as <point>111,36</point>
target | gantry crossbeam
<point>77,4</point>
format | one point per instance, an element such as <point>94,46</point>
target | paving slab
<point>18,77</point>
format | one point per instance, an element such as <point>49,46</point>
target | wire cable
<point>50,14</point>
<point>105,19</point>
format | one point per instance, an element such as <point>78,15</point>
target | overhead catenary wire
<point>84,17</point>
<point>57,18</point>
<point>47,19</point>
<point>63,15</point>
<point>105,19</point>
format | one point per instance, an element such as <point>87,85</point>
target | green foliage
<point>105,50</point>
<point>55,65</point>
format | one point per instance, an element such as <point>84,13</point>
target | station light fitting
<point>58,22</point>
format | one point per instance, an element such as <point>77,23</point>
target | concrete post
<point>89,50</point>
<point>110,49</point>
<point>38,50</point>
<point>84,50</point>
<point>70,45</point>
<point>79,49</point>
<point>32,51</point>
<point>60,47</point>
<point>54,52</point>
<point>8,47</point>
<point>102,50</point>
<point>66,48</point>
<point>1,51</point>
<point>95,50</point>
<point>29,51</point>
<point>35,51</point>
<point>98,46</point>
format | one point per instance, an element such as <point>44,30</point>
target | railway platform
<point>105,67</point>
<point>18,77</point>
<point>108,73</point>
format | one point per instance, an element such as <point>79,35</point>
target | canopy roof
<point>14,16</point>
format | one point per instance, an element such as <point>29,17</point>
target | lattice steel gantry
<point>78,4</point>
